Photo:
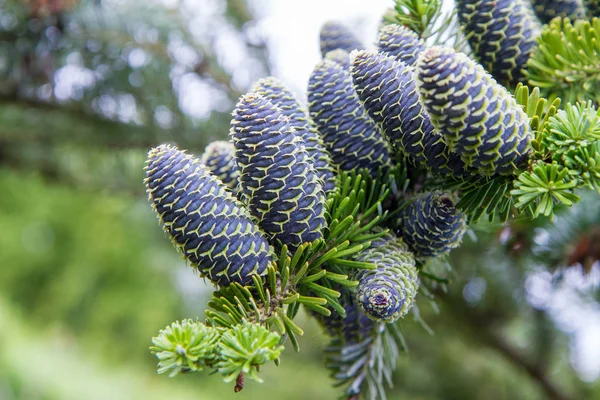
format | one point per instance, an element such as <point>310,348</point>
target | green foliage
<point>545,186</point>
<point>188,346</point>
<point>185,346</point>
<point>538,110</point>
<point>565,63</point>
<point>362,360</point>
<point>418,15</point>
<point>244,348</point>
<point>574,127</point>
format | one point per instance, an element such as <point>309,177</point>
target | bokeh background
<point>87,276</point>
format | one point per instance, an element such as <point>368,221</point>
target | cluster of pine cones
<point>229,210</point>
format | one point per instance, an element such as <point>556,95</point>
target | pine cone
<point>335,35</point>
<point>342,57</point>
<point>546,10</point>
<point>277,178</point>
<point>502,34</point>
<point>401,43</point>
<point>387,90</point>
<point>388,292</point>
<point>478,118</point>
<point>281,97</point>
<point>219,159</point>
<point>431,225</point>
<point>205,222</point>
<point>352,138</point>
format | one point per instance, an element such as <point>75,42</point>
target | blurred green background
<point>87,276</point>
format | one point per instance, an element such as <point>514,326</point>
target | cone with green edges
<point>400,43</point>
<point>431,225</point>
<point>387,90</point>
<point>219,159</point>
<point>388,292</point>
<point>351,136</point>
<point>502,35</point>
<point>277,179</point>
<point>283,98</point>
<point>205,222</point>
<point>479,118</point>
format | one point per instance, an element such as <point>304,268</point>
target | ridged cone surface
<point>205,222</point>
<point>387,90</point>
<point>388,292</point>
<point>281,97</point>
<point>277,178</point>
<point>334,35</point>
<point>350,135</point>
<point>431,225</point>
<point>219,159</point>
<point>501,33</point>
<point>478,118</point>
<point>400,43</point>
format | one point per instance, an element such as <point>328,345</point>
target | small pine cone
<point>335,35</point>
<point>219,159</point>
<point>206,223</point>
<point>546,10</point>
<point>400,43</point>
<point>277,178</point>
<point>431,225</point>
<point>352,138</point>
<point>387,90</point>
<point>502,35</point>
<point>388,292</point>
<point>478,118</point>
<point>342,57</point>
<point>281,97</point>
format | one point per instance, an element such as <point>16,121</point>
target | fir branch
<point>545,186</point>
<point>565,63</point>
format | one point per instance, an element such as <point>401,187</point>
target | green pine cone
<point>281,97</point>
<point>388,292</point>
<point>277,178</point>
<point>219,159</point>
<point>546,10</point>
<point>209,225</point>
<point>502,35</point>
<point>352,138</point>
<point>478,118</point>
<point>400,43</point>
<point>387,91</point>
<point>431,225</point>
<point>342,57</point>
<point>335,35</point>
